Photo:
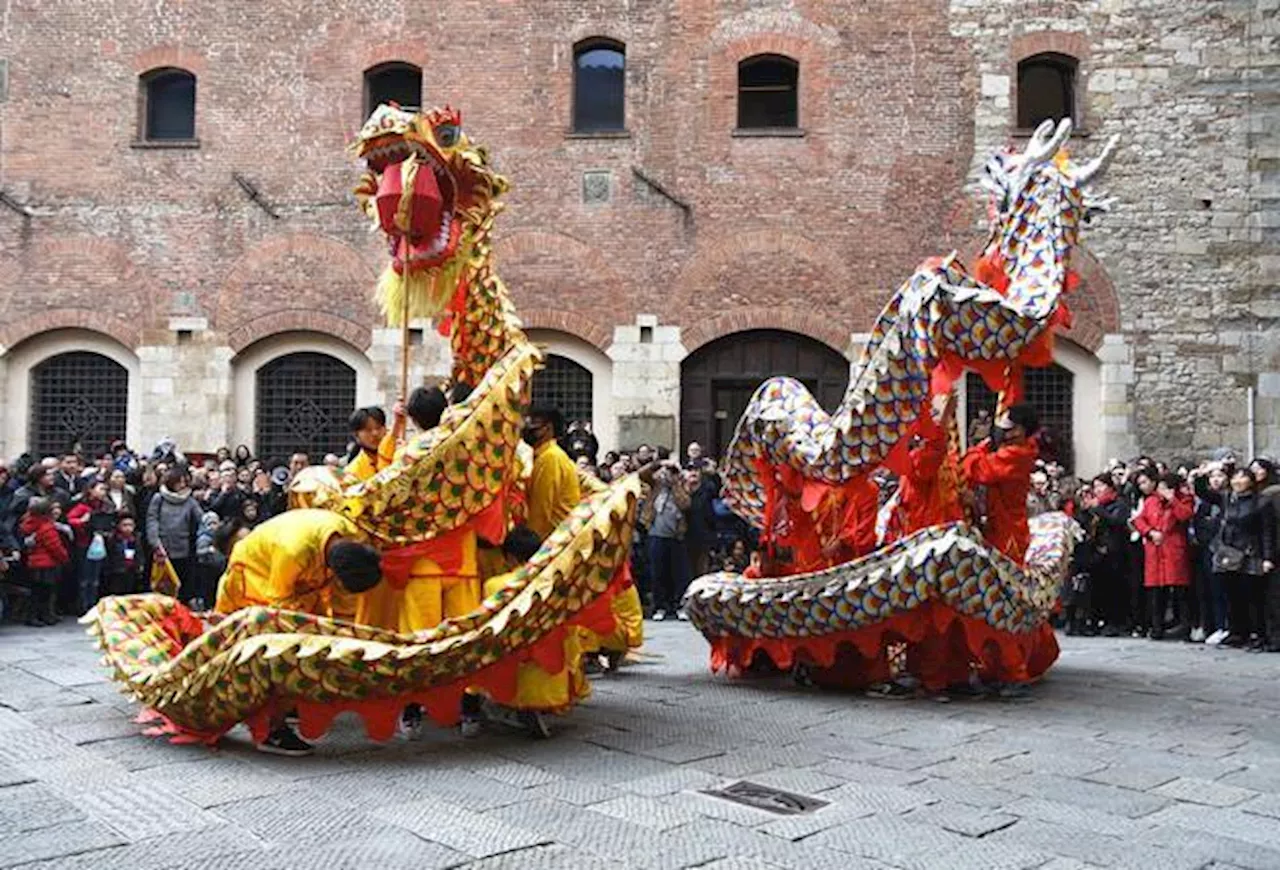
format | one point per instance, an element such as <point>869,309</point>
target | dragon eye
<point>447,135</point>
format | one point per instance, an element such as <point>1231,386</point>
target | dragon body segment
<point>434,196</point>
<point>803,476</point>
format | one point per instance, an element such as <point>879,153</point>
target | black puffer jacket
<point>1248,526</point>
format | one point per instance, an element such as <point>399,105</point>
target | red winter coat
<point>49,551</point>
<point>1167,563</point>
<point>1006,473</point>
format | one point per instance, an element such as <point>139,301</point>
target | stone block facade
<point>630,251</point>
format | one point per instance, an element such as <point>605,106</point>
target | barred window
<point>303,403</point>
<point>79,401</point>
<point>565,385</point>
<point>1051,391</point>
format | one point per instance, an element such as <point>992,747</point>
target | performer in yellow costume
<point>554,491</point>
<point>297,561</point>
<point>428,589</point>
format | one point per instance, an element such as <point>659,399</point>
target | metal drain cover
<point>764,797</point>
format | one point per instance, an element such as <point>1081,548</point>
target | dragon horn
<point>1091,169</point>
<point>1046,141</point>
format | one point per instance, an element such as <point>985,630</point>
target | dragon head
<point>431,191</point>
<point>1040,199</point>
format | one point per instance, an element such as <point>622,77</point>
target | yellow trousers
<point>628,613</point>
<point>425,601</point>
<point>535,688</point>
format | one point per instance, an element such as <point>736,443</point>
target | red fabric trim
<point>943,640</point>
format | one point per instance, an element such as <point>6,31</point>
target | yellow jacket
<point>282,564</point>
<point>553,489</point>
<point>365,466</point>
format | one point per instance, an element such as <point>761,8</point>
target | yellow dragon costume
<point>434,195</point>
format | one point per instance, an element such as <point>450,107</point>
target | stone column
<point>646,382</point>
<point>185,387</point>
<point>429,362</point>
<point>1118,441</point>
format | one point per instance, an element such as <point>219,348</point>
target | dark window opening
<point>79,401</point>
<point>1046,89</point>
<point>565,385</point>
<point>768,93</point>
<point>1051,391</point>
<point>169,96</point>
<point>303,403</point>
<point>399,83</point>
<point>599,87</point>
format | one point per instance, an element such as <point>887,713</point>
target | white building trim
<point>604,423</point>
<point>246,364</point>
<point>24,357</point>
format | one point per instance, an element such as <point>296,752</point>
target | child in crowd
<point>46,557</point>
<point>124,562</point>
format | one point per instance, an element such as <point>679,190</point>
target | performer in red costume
<point>1003,464</point>
<point>927,496</point>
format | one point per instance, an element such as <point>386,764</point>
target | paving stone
<point>604,836</point>
<point>1087,794</point>
<point>735,842</point>
<point>386,850</point>
<point>938,736</point>
<point>139,752</point>
<point>1261,830</point>
<point>517,774</point>
<point>1057,763</point>
<point>1073,816</point>
<point>805,781</point>
<point>798,827</point>
<point>57,842</point>
<point>572,791</point>
<point>910,759</point>
<point>32,807</point>
<point>1199,791</point>
<point>1263,777</point>
<point>961,819</point>
<point>555,857</point>
<point>679,779</point>
<point>1263,805</point>
<point>738,864</point>
<point>1090,847</point>
<point>216,781</point>
<point>1131,776</point>
<point>650,812</point>
<point>33,744</point>
<point>723,810</point>
<point>860,773</point>
<point>76,771</point>
<point>887,838</point>
<point>460,829</point>
<point>10,776</point>
<point>975,855</point>
<point>140,810</point>
<point>985,796</point>
<point>306,817</point>
<point>1206,846</point>
<point>221,844</point>
<point>681,753</point>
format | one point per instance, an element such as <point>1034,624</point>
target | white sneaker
<point>1217,637</point>
<point>659,616</point>
<point>1197,635</point>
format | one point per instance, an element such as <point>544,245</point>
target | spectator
<point>92,519</point>
<point>45,559</point>
<point>1268,484</point>
<point>701,517</point>
<point>1244,553</point>
<point>1163,524</point>
<point>124,558</point>
<point>210,563</point>
<point>122,496</point>
<point>1210,482</point>
<point>173,519</point>
<point>980,428</point>
<point>67,476</point>
<point>226,496</point>
<point>1110,588</point>
<point>663,515</point>
<point>693,454</point>
<point>243,455</point>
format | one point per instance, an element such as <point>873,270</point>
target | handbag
<point>1227,559</point>
<point>97,549</point>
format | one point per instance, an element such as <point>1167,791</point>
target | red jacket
<point>49,551</point>
<point>79,517</point>
<point>1006,473</point>
<point>925,497</point>
<point>1167,563</point>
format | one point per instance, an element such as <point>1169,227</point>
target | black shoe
<point>283,741</point>
<point>1156,634</point>
<point>1234,640</point>
<point>1111,631</point>
<point>535,723</point>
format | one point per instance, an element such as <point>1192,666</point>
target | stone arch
<point>183,57</point>
<point>298,281</point>
<point>1094,302</point>
<point>33,348</point>
<point>800,322</point>
<point>79,271</point>
<point>544,266</point>
<point>268,348</point>
<point>589,355</point>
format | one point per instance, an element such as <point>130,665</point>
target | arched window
<point>169,105</point>
<point>78,400</point>
<point>768,93</point>
<point>1051,391</point>
<point>394,82</point>
<point>565,385</point>
<point>599,86</point>
<point>1046,89</point>
<point>303,403</point>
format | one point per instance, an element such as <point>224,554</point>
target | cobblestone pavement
<point>1131,754</point>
